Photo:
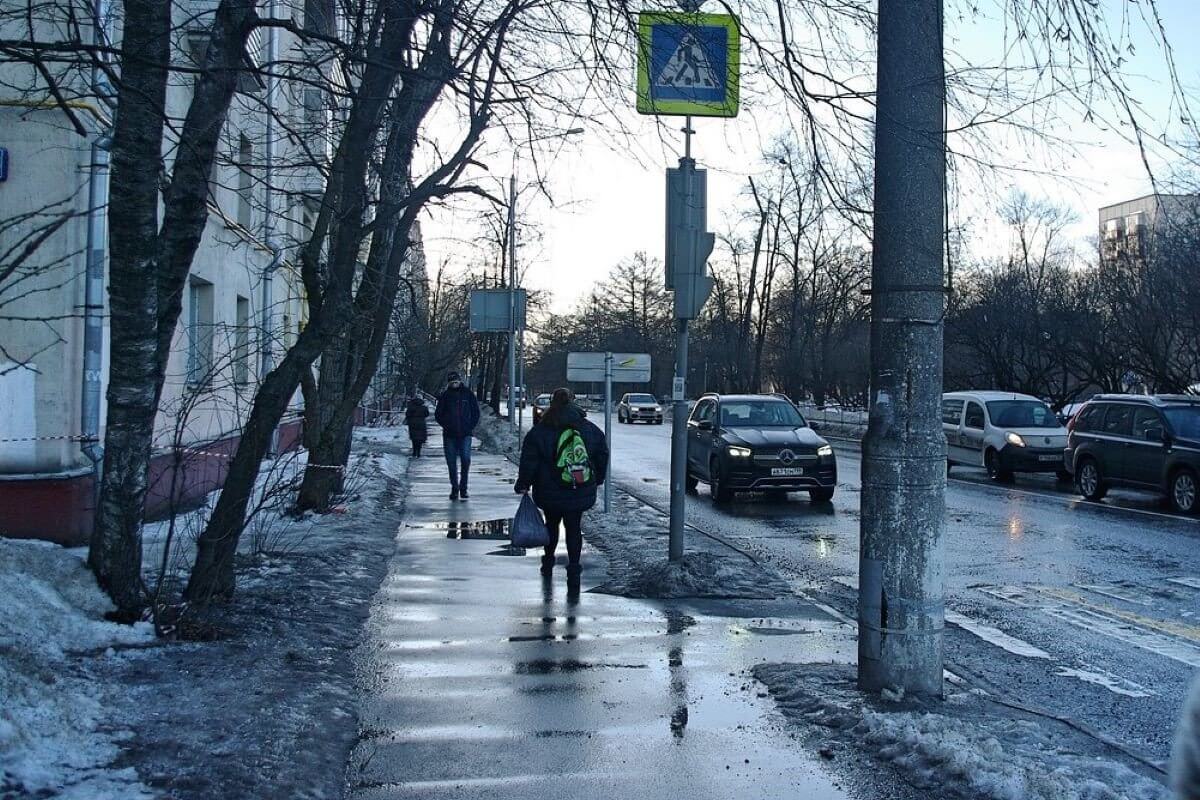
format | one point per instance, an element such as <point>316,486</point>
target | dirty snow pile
<point>964,746</point>
<point>495,433</point>
<point>51,613</point>
<point>635,536</point>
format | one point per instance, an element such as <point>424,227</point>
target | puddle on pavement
<point>547,666</point>
<point>483,529</point>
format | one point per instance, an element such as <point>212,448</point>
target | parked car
<point>756,442</point>
<point>1003,432</point>
<point>1144,442</point>
<point>636,407</point>
<point>540,404</point>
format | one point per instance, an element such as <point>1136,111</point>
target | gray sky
<point>608,205</point>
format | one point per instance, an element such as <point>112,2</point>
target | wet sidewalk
<point>485,681</point>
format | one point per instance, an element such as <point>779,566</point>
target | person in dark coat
<point>415,414</point>
<point>561,501</point>
<point>458,414</point>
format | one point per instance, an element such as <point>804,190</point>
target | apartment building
<point>244,302</point>
<point>1127,229</point>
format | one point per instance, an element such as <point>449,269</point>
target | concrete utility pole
<point>900,606</point>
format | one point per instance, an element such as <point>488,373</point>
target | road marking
<point>1117,593</point>
<point>1099,677</point>
<point>1191,583</point>
<point>988,633</point>
<point>995,636</point>
<point>1168,639</point>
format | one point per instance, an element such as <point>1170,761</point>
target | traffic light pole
<point>687,170</point>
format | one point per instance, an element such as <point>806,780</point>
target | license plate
<point>786,472</point>
<point>1050,458</point>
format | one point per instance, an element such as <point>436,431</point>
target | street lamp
<point>512,277</point>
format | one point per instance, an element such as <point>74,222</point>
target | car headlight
<point>739,452</point>
<point>1015,439</point>
<point>825,450</point>
<point>658,409</point>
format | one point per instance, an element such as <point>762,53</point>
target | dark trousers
<point>458,449</point>
<point>417,442</point>
<point>573,520</point>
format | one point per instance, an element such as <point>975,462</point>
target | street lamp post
<point>512,279</point>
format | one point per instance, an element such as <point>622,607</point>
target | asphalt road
<point>1088,612</point>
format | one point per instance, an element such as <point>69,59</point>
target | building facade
<point>243,305</point>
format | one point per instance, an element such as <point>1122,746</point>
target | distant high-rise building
<point>1128,229</point>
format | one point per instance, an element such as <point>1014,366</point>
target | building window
<point>199,332</point>
<point>245,187</point>
<point>241,344</point>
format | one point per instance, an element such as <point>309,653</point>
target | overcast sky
<point>609,204</point>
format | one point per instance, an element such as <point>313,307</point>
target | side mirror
<point>704,425</point>
<point>814,425</point>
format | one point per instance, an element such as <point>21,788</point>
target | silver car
<point>639,408</point>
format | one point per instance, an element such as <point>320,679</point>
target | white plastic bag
<point>528,527</point>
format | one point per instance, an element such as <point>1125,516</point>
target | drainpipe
<point>91,389</point>
<point>266,322</point>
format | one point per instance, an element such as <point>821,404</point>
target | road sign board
<point>626,367</point>
<point>490,310</point>
<point>688,64</point>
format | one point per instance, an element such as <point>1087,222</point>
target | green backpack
<point>573,463</point>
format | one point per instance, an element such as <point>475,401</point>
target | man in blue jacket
<point>458,414</point>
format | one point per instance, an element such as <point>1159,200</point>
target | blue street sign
<point>688,64</point>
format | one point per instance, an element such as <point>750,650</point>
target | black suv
<point>757,442</point>
<point>1146,442</point>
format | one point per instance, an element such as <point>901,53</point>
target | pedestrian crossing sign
<point>688,64</point>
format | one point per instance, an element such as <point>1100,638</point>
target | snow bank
<point>965,746</point>
<point>50,612</point>
<point>495,433</point>
<point>636,535</point>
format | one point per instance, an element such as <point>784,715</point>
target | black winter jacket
<point>414,417</point>
<point>539,452</point>
<point>457,412</point>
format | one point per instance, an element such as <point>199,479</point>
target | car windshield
<point>644,399</point>
<point>1022,414</point>
<point>542,400</point>
<point>760,414</point>
<point>1185,421</point>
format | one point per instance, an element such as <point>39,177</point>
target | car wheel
<point>1183,491</point>
<point>991,462</point>
<point>821,495</point>
<point>1088,480</point>
<point>948,465</point>
<point>721,493</point>
<point>689,483</point>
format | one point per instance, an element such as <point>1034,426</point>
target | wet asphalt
<point>482,680</point>
<point>1088,612</point>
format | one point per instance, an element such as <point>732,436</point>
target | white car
<point>1003,432</point>
<point>638,407</point>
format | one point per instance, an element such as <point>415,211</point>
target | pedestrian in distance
<point>563,459</point>
<point>458,413</point>
<point>415,415</point>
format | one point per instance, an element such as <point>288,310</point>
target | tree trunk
<point>149,263</point>
<point>115,554</point>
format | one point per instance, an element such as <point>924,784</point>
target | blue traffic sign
<point>688,64</point>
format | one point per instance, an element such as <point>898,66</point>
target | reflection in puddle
<point>677,625</point>
<point>485,529</point>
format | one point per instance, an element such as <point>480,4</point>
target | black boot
<point>547,565</point>
<point>574,571</point>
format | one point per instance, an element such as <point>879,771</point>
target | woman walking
<point>414,417</point>
<point>563,459</point>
